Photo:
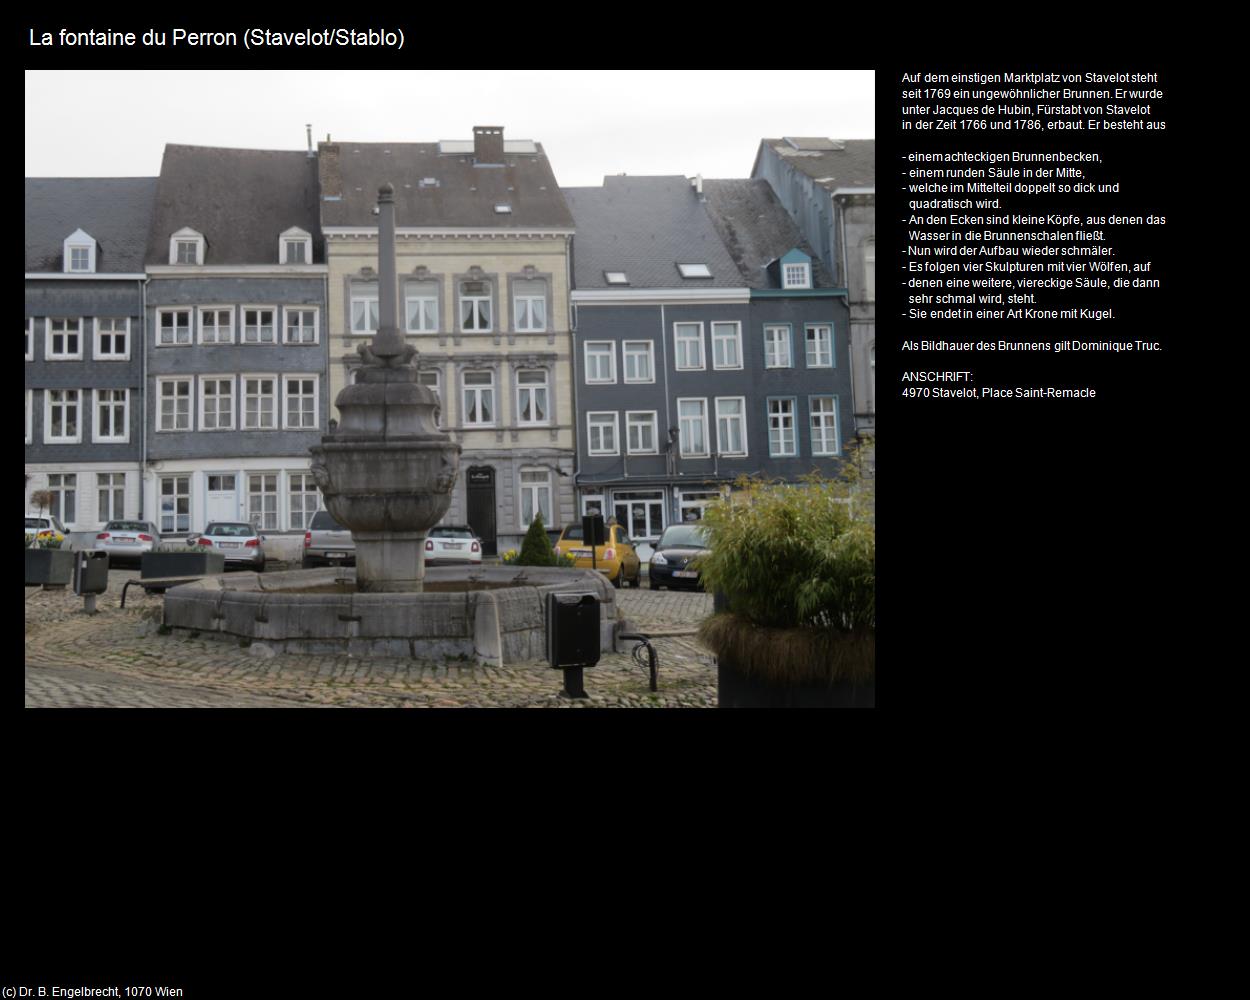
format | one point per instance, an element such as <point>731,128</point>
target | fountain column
<point>387,472</point>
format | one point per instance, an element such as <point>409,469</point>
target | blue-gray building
<point>85,240</point>
<point>828,187</point>
<point>235,350</point>
<point>693,365</point>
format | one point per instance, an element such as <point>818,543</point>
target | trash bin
<point>572,630</point>
<point>91,573</point>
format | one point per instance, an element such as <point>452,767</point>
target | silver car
<point>238,541</point>
<point>452,545</point>
<point>127,539</point>
<point>328,543</point>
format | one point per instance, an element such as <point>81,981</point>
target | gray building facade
<point>678,390</point>
<point>83,397</point>
<point>828,187</point>
<point>236,348</point>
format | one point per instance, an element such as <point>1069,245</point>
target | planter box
<point>49,567</point>
<point>737,690</point>
<point>189,563</point>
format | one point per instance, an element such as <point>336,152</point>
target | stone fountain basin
<point>490,614</point>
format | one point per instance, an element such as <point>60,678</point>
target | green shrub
<point>536,548</point>
<point>790,556</point>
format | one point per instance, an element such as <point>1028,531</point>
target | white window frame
<point>735,338</point>
<point>417,295</point>
<point>534,491</point>
<point>648,352</point>
<point>519,312</point>
<point>870,271</point>
<point>488,298</point>
<point>316,325</point>
<point>160,315</point>
<point>97,347</point>
<point>304,479</point>
<point>364,292</point>
<point>173,528</point>
<point>808,329</point>
<point>642,418</point>
<point>796,275</point>
<point>59,489</point>
<point>243,325</point>
<point>741,417</point>
<point>432,378</point>
<point>680,339</point>
<point>611,356</point>
<point>602,419</point>
<point>78,240</point>
<point>702,420</point>
<point>48,353</point>
<point>813,414</point>
<point>776,336</point>
<point>30,415</point>
<point>97,432</point>
<point>203,403</point>
<point>530,389</point>
<point>275,493</point>
<point>294,235</point>
<point>244,396</point>
<point>776,422</point>
<point>160,407</point>
<point>186,235</point>
<point>112,495</point>
<point>48,403</point>
<point>316,401</point>
<point>30,338</point>
<point>215,311</point>
<point>477,390</point>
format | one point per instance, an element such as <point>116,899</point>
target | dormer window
<point>186,247</point>
<point>79,253</point>
<point>694,270</point>
<point>295,247</point>
<point>796,276</point>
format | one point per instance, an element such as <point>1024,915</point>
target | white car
<point>452,545</point>
<point>45,528</point>
<point>127,539</point>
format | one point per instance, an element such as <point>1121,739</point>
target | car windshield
<point>128,526</point>
<point>573,533</point>
<point>691,535</point>
<point>230,530</point>
<point>323,520</point>
<point>448,532</point>
<point>36,522</point>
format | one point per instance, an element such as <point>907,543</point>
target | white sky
<point>115,124</point>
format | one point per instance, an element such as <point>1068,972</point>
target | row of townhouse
<point>629,349</point>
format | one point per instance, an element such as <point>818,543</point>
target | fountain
<point>387,473</point>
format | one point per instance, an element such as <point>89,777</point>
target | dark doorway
<point>481,496</point>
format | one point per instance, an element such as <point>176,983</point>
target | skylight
<point>616,277</point>
<point>694,270</point>
<point>502,209</point>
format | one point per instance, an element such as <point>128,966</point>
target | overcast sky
<point>115,124</point>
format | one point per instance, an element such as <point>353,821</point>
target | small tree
<point>42,499</point>
<point>536,549</point>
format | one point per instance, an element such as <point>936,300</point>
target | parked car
<point>127,539</point>
<point>616,559</point>
<point>44,528</point>
<point>238,541</point>
<point>452,544</point>
<point>328,543</point>
<point>671,561</point>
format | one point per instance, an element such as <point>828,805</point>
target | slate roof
<point>464,198</point>
<point>854,165</point>
<point>645,226</point>
<point>756,229</point>
<point>239,199</point>
<point>115,211</point>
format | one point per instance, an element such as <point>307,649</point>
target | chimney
<point>488,144</point>
<point>310,149</point>
<point>331,175</point>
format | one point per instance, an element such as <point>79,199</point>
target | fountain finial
<point>388,349</point>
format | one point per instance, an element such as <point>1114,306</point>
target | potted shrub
<point>536,549</point>
<point>172,559</point>
<point>48,564</point>
<point>795,566</point>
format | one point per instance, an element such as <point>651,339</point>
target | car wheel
<point>616,580</point>
<point>654,585</point>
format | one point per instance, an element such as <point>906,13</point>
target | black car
<point>673,554</point>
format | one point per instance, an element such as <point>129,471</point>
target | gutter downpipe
<point>143,380</point>
<point>850,322</point>
<point>576,420</point>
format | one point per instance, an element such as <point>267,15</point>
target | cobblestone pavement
<point>118,658</point>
